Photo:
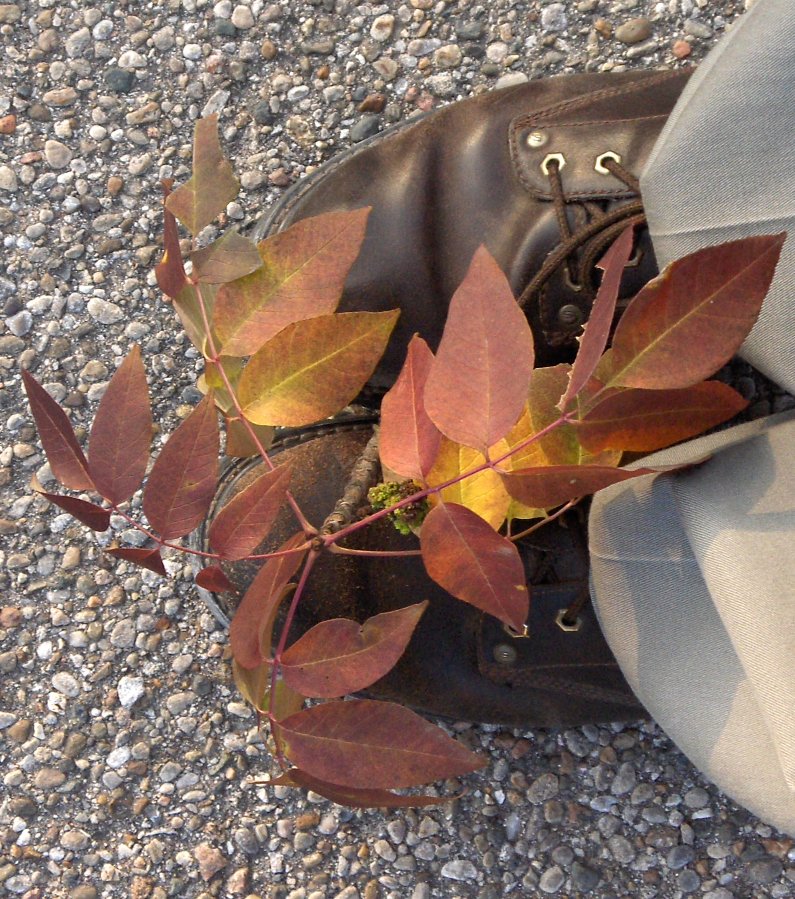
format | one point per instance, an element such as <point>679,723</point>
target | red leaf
<point>341,656</point>
<point>478,383</point>
<point>644,420</point>
<point>302,275</point>
<point>182,482</point>
<point>146,558</point>
<point>597,330</point>
<point>244,522</point>
<point>381,744</point>
<point>118,449</point>
<point>408,440</point>
<point>170,272</point>
<point>67,462</point>
<point>214,580</point>
<point>230,257</point>
<point>355,797</point>
<point>251,628</point>
<point>545,488</point>
<point>89,514</point>
<point>467,557</point>
<point>691,319</point>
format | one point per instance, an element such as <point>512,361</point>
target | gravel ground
<point>125,752</point>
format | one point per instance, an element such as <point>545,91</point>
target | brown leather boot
<point>543,173</point>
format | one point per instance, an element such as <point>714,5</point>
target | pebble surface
<point>126,757</point>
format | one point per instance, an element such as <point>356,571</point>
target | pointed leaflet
<point>240,444</point>
<point>692,318</point>
<point>67,462</point>
<point>146,558</point>
<point>545,488</point>
<point>118,449</point>
<point>170,272</point>
<point>479,378</point>
<point>244,522</point>
<point>212,185</point>
<point>250,631</point>
<point>230,257</point>
<point>380,744</point>
<point>354,797</point>
<point>182,482</point>
<point>255,687</point>
<point>408,440</point>
<point>644,420</point>
<point>469,559</point>
<point>302,275</point>
<point>597,330</point>
<point>89,514</point>
<point>341,656</point>
<point>214,580</point>
<point>313,368</point>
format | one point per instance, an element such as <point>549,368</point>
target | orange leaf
<point>182,482</point>
<point>118,449</point>
<point>170,272</point>
<point>230,257</point>
<point>341,656</point>
<point>302,275</point>
<point>467,557</point>
<point>364,741</point>
<point>545,488</point>
<point>479,379</point>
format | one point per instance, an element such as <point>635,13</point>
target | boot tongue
<point>723,167</point>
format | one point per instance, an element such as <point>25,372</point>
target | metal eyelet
<point>599,165</point>
<point>568,626</point>
<point>553,157</point>
<point>516,635</point>
<point>536,139</point>
<point>505,654</point>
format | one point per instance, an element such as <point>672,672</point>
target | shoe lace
<point>596,235</point>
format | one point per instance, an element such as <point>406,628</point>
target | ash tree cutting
<point>473,439</point>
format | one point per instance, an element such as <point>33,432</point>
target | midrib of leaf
<point>359,744</point>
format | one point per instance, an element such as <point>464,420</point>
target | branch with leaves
<point>472,439</point>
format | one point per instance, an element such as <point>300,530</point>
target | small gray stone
<point>20,324</point>
<point>49,779</point>
<point>177,703</point>
<point>624,781</point>
<point>679,856</point>
<point>192,51</point>
<point>242,17</point>
<point>621,849</point>
<point>688,881</point>
<point>58,155</point>
<point>366,127</point>
<point>119,80</point>
<point>584,878</point>
<point>130,690</point>
<point>123,634</point>
<point>8,179</point>
<point>66,684</point>
<point>383,849</point>
<point>469,31</point>
<point>551,880</point>
<point>697,29</point>
<point>60,96</point>
<point>74,839</point>
<point>77,44</point>
<point>448,57</point>
<point>765,870</point>
<point>262,113</point>
<point>106,313</point>
<point>102,30</point>
<point>163,38</point>
<point>7,719</point>
<point>553,17</point>
<point>459,869</point>
<point>634,31</point>
<point>9,13</point>
<point>696,798</point>
<point>510,79</point>
<point>542,788</point>
<point>131,59</point>
<point>170,771</point>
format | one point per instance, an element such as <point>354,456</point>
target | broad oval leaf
<point>89,514</point>
<point>230,257</point>
<point>146,558</point>
<point>545,488</point>
<point>474,563</point>
<point>67,462</point>
<point>478,383</point>
<point>340,656</point>
<point>408,440</point>
<point>182,482</point>
<point>365,741</point>
<point>244,522</point>
<point>354,797</point>
<point>213,579</point>
<point>693,317</point>
<point>302,275</point>
<point>252,626</point>
<point>118,448</point>
<point>313,368</point>
<point>645,420</point>
<point>212,185</point>
<point>170,272</point>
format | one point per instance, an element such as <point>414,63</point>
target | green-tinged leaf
<point>118,449</point>
<point>302,275</point>
<point>341,656</point>
<point>597,330</point>
<point>244,522</point>
<point>145,558</point>
<point>89,514</point>
<point>213,579</point>
<point>354,797</point>
<point>545,488</point>
<point>183,479</point>
<point>255,686</point>
<point>364,741</point>
<point>645,420</point>
<point>67,462</point>
<point>213,184</point>
<point>251,630</point>
<point>408,441</point>
<point>230,257</point>
<point>474,563</point>
<point>478,382</point>
<point>313,368</point>
<point>239,442</point>
<point>170,272</point>
<point>188,307</point>
<point>693,317</point>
